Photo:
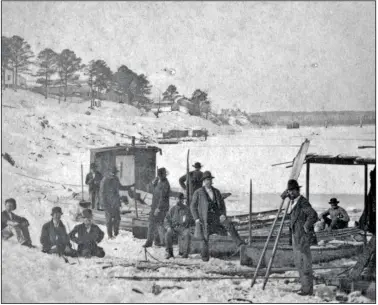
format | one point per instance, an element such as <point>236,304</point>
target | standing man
<point>195,179</point>
<point>338,217</point>
<point>177,222</point>
<point>209,212</point>
<point>87,235</point>
<point>111,202</point>
<point>54,237</point>
<point>93,180</point>
<point>12,224</point>
<point>302,220</point>
<point>159,207</point>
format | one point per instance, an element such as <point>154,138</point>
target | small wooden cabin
<point>136,163</point>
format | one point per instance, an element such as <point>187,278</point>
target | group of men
<point>206,212</point>
<point>54,237</point>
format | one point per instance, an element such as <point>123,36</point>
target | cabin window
<point>126,167</point>
<point>9,77</point>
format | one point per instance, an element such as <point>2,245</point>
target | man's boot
<point>169,253</point>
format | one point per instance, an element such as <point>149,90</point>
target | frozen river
<point>234,159</point>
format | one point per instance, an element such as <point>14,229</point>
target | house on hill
<point>9,79</point>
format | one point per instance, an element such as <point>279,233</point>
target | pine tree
<point>47,61</point>
<point>6,62</point>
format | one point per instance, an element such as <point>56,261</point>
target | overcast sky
<point>260,56</point>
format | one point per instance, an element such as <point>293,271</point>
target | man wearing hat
<point>93,180</point>
<point>111,202</point>
<point>54,237</point>
<point>302,220</point>
<point>177,222</point>
<point>159,207</point>
<point>209,212</point>
<point>12,224</point>
<point>87,235</point>
<point>195,178</point>
<point>338,217</point>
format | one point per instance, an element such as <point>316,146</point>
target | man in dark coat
<point>111,202</point>
<point>93,180</point>
<point>54,237</point>
<point>335,217</point>
<point>302,220</point>
<point>209,212</point>
<point>177,222</point>
<point>159,207</point>
<point>12,224</point>
<point>195,179</point>
<point>87,235</point>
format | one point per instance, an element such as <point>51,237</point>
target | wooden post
<point>365,199</point>
<point>308,181</point>
<point>250,212</point>
<point>135,202</point>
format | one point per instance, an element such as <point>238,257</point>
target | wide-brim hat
<point>333,201</point>
<point>197,165</point>
<point>181,196</point>
<point>87,213</point>
<point>161,170</point>
<point>293,184</point>
<point>56,210</point>
<point>207,175</point>
<point>12,201</point>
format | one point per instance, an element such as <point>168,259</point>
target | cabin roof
<point>339,159</point>
<point>125,147</point>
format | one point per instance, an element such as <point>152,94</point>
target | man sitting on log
<point>12,224</point>
<point>209,212</point>
<point>177,222</point>
<point>87,236</point>
<point>338,217</point>
<point>54,237</point>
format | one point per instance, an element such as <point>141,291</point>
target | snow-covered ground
<point>55,152</point>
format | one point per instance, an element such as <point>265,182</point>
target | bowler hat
<point>197,165</point>
<point>293,184</point>
<point>87,213</point>
<point>93,165</point>
<point>333,201</point>
<point>161,171</point>
<point>181,196</point>
<point>56,210</point>
<point>12,201</point>
<point>207,175</point>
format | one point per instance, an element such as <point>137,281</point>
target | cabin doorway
<point>126,167</point>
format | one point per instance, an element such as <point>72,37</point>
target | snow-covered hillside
<point>49,141</point>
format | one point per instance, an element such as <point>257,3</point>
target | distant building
<point>9,79</point>
<point>163,106</point>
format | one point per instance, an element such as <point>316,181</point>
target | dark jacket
<point>109,192</point>
<point>195,181</point>
<point>178,216</point>
<point>5,217</point>
<point>160,195</point>
<point>84,239</point>
<point>336,214</point>
<point>93,181</point>
<point>51,236</point>
<point>200,204</point>
<point>303,216</point>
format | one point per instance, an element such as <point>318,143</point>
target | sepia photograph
<point>188,152</point>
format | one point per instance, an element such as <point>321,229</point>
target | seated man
<point>12,224</point>
<point>177,222</point>
<point>54,237</point>
<point>338,217</point>
<point>87,236</point>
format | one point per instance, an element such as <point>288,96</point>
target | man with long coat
<point>302,220</point>
<point>159,207</point>
<point>209,212</point>
<point>93,180</point>
<point>54,237</point>
<point>87,235</point>
<point>111,202</point>
<point>195,179</point>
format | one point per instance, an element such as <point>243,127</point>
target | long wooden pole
<point>308,181</point>
<point>266,244</point>
<point>135,202</point>
<point>275,246</point>
<point>82,183</point>
<point>365,202</point>
<point>250,211</point>
<point>187,180</point>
